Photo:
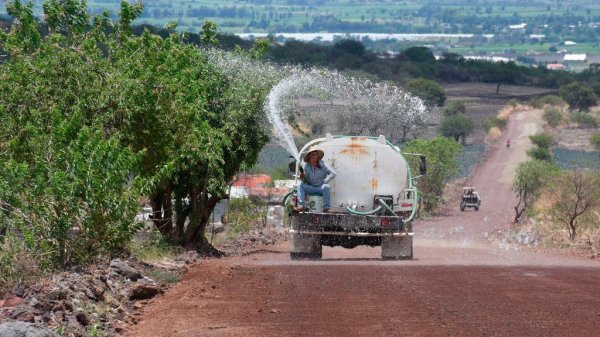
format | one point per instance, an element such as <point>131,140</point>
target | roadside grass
<point>152,247</point>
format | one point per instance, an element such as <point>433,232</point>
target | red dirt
<point>459,284</point>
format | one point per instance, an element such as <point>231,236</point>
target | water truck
<point>373,199</point>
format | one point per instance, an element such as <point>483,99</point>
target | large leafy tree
<point>457,127</point>
<point>441,153</point>
<point>579,96</point>
<point>94,116</point>
<point>429,91</point>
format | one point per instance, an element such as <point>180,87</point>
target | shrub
<point>553,117</point>
<point>495,122</point>
<point>241,216</point>
<point>153,247</point>
<point>543,140</point>
<point>540,153</point>
<point>584,120</point>
<point>552,100</point>
<point>595,141</point>
<point>455,108</point>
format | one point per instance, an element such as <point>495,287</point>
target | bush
<point>154,247</point>
<point>584,120</point>
<point>455,108</point>
<point>552,116</point>
<point>241,216</point>
<point>543,140</point>
<point>495,122</point>
<point>595,141</point>
<point>552,100</point>
<point>540,153</point>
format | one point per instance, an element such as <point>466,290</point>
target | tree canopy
<point>578,96</point>
<point>94,118</point>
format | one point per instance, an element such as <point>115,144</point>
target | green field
<point>374,15</point>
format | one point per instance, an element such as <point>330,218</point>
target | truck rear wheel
<point>304,246</point>
<point>395,248</point>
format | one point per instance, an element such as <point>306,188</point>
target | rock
<point>143,292</point>
<point>12,302</point>
<point>215,228</point>
<point>118,267</point>
<point>24,316</point>
<point>22,329</point>
<point>81,317</point>
<point>19,289</point>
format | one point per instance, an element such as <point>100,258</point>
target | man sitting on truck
<point>315,175</point>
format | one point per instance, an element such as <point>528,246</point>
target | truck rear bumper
<point>357,234</point>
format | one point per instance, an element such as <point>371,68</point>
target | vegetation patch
<point>576,159</point>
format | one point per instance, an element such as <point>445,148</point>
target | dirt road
<point>459,284</point>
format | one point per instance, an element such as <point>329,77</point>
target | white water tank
<point>366,167</point>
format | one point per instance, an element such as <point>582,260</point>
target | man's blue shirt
<point>317,176</point>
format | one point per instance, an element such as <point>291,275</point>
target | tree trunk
<point>182,212</point>
<point>162,211</point>
<point>573,227</point>
<point>498,88</point>
<point>202,207</point>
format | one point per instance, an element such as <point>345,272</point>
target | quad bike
<point>470,198</point>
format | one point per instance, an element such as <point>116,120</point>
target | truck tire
<point>396,248</point>
<point>304,246</point>
<point>476,208</point>
<point>462,207</point>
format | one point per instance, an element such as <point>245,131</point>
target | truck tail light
<point>405,204</point>
<point>316,218</point>
<point>385,222</point>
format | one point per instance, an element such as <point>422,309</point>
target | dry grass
<point>493,135</point>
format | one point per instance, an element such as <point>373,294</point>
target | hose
<point>285,199</point>
<point>387,207</point>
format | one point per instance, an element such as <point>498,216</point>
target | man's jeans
<point>323,190</point>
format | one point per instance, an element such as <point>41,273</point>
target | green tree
<point>419,54</point>
<point>457,127</point>
<point>176,125</point>
<point>579,96</point>
<point>455,108</point>
<point>429,91</point>
<point>441,152</point>
<point>530,178</point>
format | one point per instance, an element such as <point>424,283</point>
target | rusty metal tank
<point>367,168</point>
